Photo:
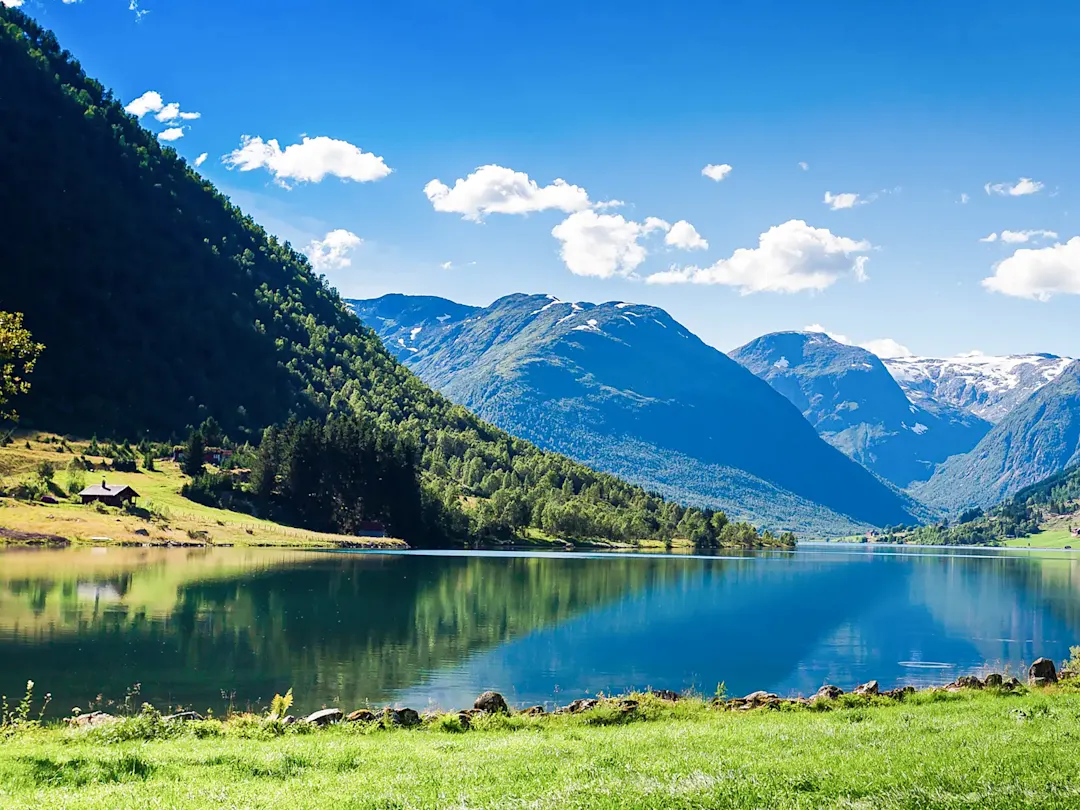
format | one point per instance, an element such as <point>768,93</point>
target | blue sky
<point>950,121</point>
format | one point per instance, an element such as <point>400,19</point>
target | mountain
<point>852,400</point>
<point>986,386</point>
<point>626,388</point>
<point>161,305</point>
<point>1036,439</point>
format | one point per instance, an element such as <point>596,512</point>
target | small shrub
<point>280,705</point>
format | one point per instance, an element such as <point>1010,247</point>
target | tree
<point>18,353</point>
<point>194,450</point>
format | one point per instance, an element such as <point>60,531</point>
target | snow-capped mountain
<point>857,406</point>
<point>987,386</point>
<point>627,388</point>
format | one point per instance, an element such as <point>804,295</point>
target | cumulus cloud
<point>716,171</point>
<point>172,134</point>
<point>790,257</point>
<point>837,202</point>
<point>882,347</point>
<point>604,245</point>
<point>172,112</point>
<point>148,102</point>
<point>1039,273</point>
<point>307,162</point>
<point>11,3</point>
<point>804,165</point>
<point>333,252</point>
<point>1017,237</point>
<point>201,159</point>
<point>684,236</point>
<point>495,189</point>
<point>1021,188</point>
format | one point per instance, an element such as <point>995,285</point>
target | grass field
<point>935,750</point>
<point>177,520</point>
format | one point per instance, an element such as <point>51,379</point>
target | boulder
<point>288,720</point>
<point>361,716</point>
<point>867,689</point>
<point>93,719</point>
<point>900,692</point>
<point>1011,684</point>
<point>582,705</point>
<point>829,692</point>
<point>993,681</point>
<point>969,682</point>
<point>627,704</point>
<point>760,698</point>
<point>405,718</point>
<point>325,717</point>
<point>182,717</point>
<point>664,694</point>
<point>1042,673</point>
<point>492,703</point>
<point>534,711</point>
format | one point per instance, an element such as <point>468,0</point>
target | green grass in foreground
<point>964,750</point>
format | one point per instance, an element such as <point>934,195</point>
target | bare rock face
<point>325,717</point>
<point>1042,673</point>
<point>492,703</point>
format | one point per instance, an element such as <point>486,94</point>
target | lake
<point>205,628</point>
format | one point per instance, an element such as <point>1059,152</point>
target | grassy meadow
<point>170,517</point>
<point>971,749</point>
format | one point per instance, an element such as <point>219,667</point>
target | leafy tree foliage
<point>165,306</point>
<point>18,353</point>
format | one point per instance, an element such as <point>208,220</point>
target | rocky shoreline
<point>1041,673</point>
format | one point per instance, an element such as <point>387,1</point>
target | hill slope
<point>853,401</point>
<point>1035,440</point>
<point>626,388</point>
<point>986,386</point>
<point>161,304</point>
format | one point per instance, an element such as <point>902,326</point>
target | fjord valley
<point>234,326</point>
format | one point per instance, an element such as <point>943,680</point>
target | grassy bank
<point>165,518</point>
<point>974,749</point>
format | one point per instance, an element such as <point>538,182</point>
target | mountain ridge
<point>626,381</point>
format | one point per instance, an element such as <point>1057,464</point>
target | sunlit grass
<point>968,750</point>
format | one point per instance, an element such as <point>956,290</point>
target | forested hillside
<point>628,389</point>
<point>160,304</point>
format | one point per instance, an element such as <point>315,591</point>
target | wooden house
<point>115,495</point>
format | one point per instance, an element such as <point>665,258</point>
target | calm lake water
<point>194,627</point>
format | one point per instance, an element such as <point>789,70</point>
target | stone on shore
<point>582,705</point>
<point>1042,673</point>
<point>361,716</point>
<point>534,711</point>
<point>828,692</point>
<point>665,694</point>
<point>325,717</point>
<point>93,719</point>
<point>182,717</point>
<point>969,682</point>
<point>492,703</point>
<point>405,718</point>
<point>993,681</point>
<point>867,689</point>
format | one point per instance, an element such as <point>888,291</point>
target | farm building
<point>115,495</point>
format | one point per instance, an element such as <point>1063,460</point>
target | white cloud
<point>1039,273</point>
<point>989,238</point>
<point>139,13</point>
<point>1021,188</point>
<point>684,236</point>
<point>446,265</point>
<point>804,165</point>
<point>603,245</point>
<point>172,134</point>
<point>495,189</point>
<point>837,202</point>
<point>964,198</point>
<point>148,102</point>
<point>11,3</point>
<point>790,257</point>
<point>333,251</point>
<point>201,159</point>
<point>307,162</point>
<point>452,266</point>
<point>716,171</point>
<point>1018,237</point>
<point>886,348</point>
<point>882,347</point>
<point>172,112</point>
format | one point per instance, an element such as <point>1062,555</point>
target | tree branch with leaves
<point>18,353</point>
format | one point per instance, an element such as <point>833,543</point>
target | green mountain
<point>626,388</point>
<point>1033,441</point>
<point>852,400</point>
<point>161,304</point>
